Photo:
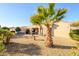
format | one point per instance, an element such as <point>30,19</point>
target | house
<point>60,29</point>
<point>34,29</point>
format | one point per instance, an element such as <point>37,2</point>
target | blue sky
<point>19,14</point>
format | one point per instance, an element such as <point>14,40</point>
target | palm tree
<point>47,17</point>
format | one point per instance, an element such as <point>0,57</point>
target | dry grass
<point>24,46</point>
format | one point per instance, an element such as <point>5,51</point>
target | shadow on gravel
<point>62,47</point>
<point>28,49</point>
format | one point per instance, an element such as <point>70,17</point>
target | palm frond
<point>60,12</point>
<point>51,9</point>
<point>43,12</point>
<point>48,15</point>
<point>51,6</point>
<point>40,9</point>
<point>36,19</point>
<point>59,18</point>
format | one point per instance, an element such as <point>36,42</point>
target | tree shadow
<point>28,49</point>
<point>63,47</point>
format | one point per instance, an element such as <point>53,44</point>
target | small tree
<point>5,35</point>
<point>8,35</point>
<point>18,29</point>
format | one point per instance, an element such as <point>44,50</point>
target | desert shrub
<point>5,35</point>
<point>18,29</point>
<point>1,38</point>
<point>74,34</point>
<point>27,31</point>
<point>6,28</point>
<point>2,46</point>
<point>8,36</point>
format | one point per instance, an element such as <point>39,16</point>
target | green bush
<point>74,34</point>
<point>6,28</point>
<point>1,38</point>
<point>27,31</point>
<point>2,46</point>
<point>5,35</point>
<point>18,29</point>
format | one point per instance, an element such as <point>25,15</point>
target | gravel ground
<point>26,47</point>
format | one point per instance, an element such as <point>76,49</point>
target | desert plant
<point>74,34</point>
<point>2,46</point>
<point>5,35</point>
<point>8,36</point>
<point>6,28</point>
<point>18,29</point>
<point>47,17</point>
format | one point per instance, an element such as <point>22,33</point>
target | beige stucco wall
<point>62,30</point>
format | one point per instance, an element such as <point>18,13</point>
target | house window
<point>34,30</point>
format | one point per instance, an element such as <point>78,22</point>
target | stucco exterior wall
<point>62,30</point>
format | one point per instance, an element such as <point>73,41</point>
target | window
<point>34,30</point>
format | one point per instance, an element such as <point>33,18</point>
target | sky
<point>18,14</point>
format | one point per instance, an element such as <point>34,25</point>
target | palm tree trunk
<point>49,41</point>
<point>41,30</point>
